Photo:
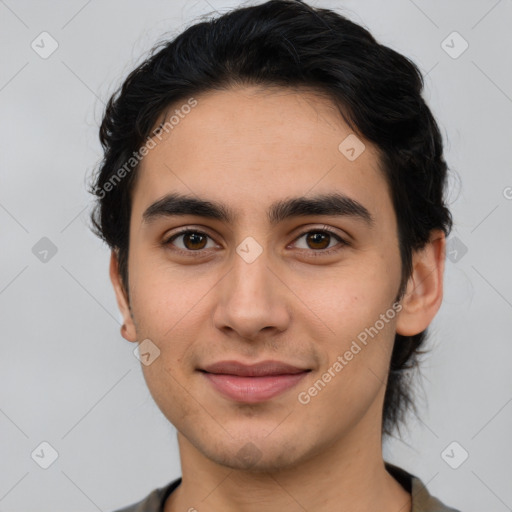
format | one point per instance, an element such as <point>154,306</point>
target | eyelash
<point>315,253</point>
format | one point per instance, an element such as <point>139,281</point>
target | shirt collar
<point>422,501</point>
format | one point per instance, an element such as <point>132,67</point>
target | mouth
<point>253,383</point>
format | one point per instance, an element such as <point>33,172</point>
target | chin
<point>259,455</point>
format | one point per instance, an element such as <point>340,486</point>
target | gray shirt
<point>422,501</point>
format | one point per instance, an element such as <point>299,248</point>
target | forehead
<point>251,147</point>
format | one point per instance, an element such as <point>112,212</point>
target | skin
<point>248,147</point>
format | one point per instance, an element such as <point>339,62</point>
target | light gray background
<point>67,377</point>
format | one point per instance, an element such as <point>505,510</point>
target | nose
<point>251,299</point>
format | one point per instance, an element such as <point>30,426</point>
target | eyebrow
<point>333,204</point>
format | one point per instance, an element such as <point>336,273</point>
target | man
<point>272,191</point>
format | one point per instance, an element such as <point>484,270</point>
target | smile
<point>253,383</point>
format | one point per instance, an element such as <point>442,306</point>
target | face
<point>255,282</point>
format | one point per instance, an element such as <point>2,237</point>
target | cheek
<point>356,368</point>
<point>361,316</point>
<point>165,296</point>
<point>363,339</point>
<point>354,301</point>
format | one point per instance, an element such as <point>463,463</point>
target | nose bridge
<point>250,283</point>
<point>250,296</point>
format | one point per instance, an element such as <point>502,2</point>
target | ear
<point>128,331</point>
<point>424,292</point>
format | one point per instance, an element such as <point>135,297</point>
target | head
<point>243,113</point>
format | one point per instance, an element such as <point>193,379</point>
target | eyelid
<point>305,231</point>
<point>320,228</point>
<point>187,230</point>
<point>342,241</point>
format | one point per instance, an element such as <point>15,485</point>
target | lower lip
<point>253,389</point>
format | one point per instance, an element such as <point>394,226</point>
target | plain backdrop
<point>68,378</point>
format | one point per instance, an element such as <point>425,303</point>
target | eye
<point>320,241</point>
<point>191,241</point>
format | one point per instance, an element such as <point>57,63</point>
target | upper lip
<point>261,369</point>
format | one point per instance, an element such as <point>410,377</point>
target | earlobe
<point>128,331</point>
<point>424,293</point>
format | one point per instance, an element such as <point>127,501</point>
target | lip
<point>252,383</point>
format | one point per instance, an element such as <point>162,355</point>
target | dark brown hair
<point>288,43</point>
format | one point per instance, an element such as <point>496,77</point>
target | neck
<point>350,475</point>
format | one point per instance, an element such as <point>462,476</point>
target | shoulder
<point>422,500</point>
<point>154,501</point>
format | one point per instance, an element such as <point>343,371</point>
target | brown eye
<point>321,241</point>
<point>317,240</point>
<point>194,241</point>
<point>191,241</point>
